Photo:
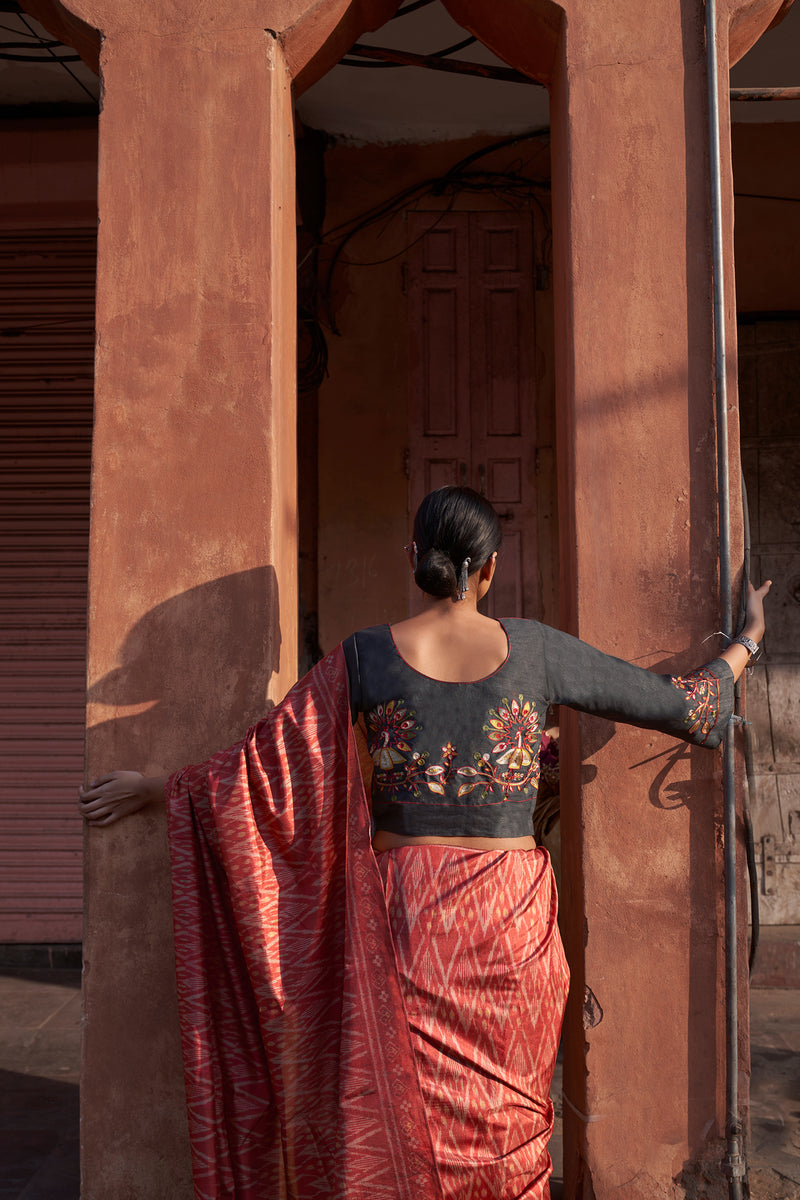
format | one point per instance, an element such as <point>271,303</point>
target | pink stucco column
<point>193,598</point>
<point>192,622</point>
<point>193,591</point>
<point>641,814</point>
<point>644,1078</point>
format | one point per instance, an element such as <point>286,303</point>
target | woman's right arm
<point>118,794</point>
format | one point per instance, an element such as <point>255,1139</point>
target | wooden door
<point>471,322</point>
<point>769,400</point>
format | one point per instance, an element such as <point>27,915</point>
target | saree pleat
<point>485,982</point>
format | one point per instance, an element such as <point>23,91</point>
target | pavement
<point>40,1019</point>
<point>40,1038</point>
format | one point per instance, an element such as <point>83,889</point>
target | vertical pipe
<point>733,1163</point>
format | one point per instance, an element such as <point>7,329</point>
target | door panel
<point>503,398</point>
<point>438,301</point>
<point>471,320</point>
<point>769,389</point>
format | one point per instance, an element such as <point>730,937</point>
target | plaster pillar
<point>192,621</point>
<point>644,1102</point>
<point>641,814</point>
<point>644,1107</point>
<point>193,560</point>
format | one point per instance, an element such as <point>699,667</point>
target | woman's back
<point>455,644</point>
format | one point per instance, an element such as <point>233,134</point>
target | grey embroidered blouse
<point>462,759</point>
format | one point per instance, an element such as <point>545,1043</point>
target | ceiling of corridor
<point>383,103</point>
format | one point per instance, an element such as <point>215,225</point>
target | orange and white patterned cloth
<point>485,982</point>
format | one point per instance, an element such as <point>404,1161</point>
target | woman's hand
<point>754,624</point>
<point>736,655</point>
<point>118,794</point>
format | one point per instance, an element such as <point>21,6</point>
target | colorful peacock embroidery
<point>391,728</point>
<point>513,764</point>
<point>702,694</point>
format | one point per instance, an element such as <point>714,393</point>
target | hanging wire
<point>365,62</point>
<point>55,58</point>
<point>33,58</point>
<point>510,185</point>
<point>409,8</point>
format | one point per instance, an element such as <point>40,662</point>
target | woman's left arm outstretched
<point>695,707</point>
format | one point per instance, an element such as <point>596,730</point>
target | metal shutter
<point>47,284</point>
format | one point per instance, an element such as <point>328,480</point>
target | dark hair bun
<point>436,574</point>
<point>453,524</point>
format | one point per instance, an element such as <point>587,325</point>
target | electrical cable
<point>409,8</point>
<point>56,58</point>
<point>762,196</point>
<point>33,58</point>
<point>456,179</point>
<point>365,62</point>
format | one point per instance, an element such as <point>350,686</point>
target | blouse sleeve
<point>694,707</point>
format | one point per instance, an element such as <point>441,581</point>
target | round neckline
<point>453,682</point>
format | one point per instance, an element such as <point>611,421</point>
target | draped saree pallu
<point>305,1075</point>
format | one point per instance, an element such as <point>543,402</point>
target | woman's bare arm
<point>736,655</point>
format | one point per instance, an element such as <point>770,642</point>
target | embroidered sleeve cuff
<point>708,694</point>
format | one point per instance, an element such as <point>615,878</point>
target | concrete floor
<point>39,1067</point>
<point>40,1034</point>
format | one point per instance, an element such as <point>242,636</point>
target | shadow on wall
<point>195,670</point>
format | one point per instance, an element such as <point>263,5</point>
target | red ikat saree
<point>300,1073</point>
<point>334,1047</point>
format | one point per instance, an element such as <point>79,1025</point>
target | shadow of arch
<point>197,669</point>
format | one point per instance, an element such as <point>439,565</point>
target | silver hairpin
<point>463,579</point>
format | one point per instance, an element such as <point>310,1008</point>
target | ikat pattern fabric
<point>485,983</point>
<point>301,1079</point>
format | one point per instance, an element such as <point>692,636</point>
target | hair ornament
<point>463,578</point>
<point>411,549</point>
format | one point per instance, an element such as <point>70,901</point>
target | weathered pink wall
<point>364,402</point>
<point>644,1076</point>
<point>192,588</point>
<point>193,557</point>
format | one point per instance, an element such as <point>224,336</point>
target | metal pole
<point>733,1163</point>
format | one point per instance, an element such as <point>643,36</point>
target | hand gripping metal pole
<point>733,1164</point>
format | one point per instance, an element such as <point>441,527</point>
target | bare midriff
<point>383,840</point>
